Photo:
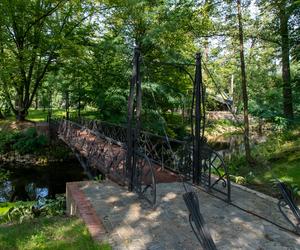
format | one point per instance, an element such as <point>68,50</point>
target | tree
<point>283,11</point>
<point>244,82</point>
<point>33,33</point>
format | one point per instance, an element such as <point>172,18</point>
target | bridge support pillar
<point>198,121</point>
<point>133,119</point>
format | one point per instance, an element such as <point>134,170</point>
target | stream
<point>228,146</point>
<point>25,183</point>
<point>31,182</point>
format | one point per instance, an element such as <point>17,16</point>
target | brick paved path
<point>132,224</point>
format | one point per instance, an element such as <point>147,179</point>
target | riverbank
<point>276,158</point>
<point>33,173</point>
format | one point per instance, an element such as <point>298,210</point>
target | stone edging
<point>259,194</point>
<point>80,206</point>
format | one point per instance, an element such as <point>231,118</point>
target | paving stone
<point>133,225</point>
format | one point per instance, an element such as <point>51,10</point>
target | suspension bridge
<point>144,163</point>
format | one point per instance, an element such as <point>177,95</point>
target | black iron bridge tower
<point>198,121</point>
<point>134,118</point>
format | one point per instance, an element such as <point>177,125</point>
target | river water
<point>34,183</point>
<point>228,146</point>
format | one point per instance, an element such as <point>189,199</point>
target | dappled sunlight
<point>133,214</point>
<point>131,222</point>
<point>152,214</point>
<point>112,199</point>
<point>287,179</point>
<point>169,196</point>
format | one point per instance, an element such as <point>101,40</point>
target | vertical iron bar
<point>138,111</point>
<point>197,161</point>
<point>131,135</point>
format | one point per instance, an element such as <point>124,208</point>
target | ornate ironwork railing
<point>287,200</point>
<point>96,150</point>
<point>171,154</point>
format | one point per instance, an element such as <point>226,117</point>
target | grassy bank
<point>277,158</point>
<point>48,233</point>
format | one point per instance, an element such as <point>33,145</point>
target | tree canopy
<point>78,54</point>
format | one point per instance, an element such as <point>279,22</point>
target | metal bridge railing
<point>168,153</point>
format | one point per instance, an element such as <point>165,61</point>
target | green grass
<point>38,115</point>
<point>285,163</point>
<point>277,158</point>
<point>48,233</point>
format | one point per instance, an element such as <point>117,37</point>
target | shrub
<point>29,141</point>
<point>20,211</point>
<point>240,180</point>
<point>52,207</point>
<point>4,175</point>
<point>6,139</point>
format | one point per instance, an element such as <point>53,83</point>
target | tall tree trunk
<point>244,84</point>
<point>286,75</point>
<point>36,101</point>
<point>20,109</point>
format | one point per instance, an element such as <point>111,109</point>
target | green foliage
<point>295,190</point>
<point>20,211</point>
<point>280,123</point>
<point>4,208</point>
<point>53,207</point>
<point>176,126</point>
<point>4,175</point>
<point>29,141</point>
<point>240,180</point>
<point>16,212</point>
<point>6,138</point>
<point>24,142</point>
<point>278,158</point>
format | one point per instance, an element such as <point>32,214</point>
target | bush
<point>4,175</point>
<point>6,139</point>
<point>29,141</point>
<point>20,211</point>
<point>280,123</point>
<point>23,142</point>
<point>52,207</point>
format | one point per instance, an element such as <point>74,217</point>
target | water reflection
<point>233,144</point>
<point>34,183</point>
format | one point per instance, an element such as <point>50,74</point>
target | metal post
<point>132,136</point>
<point>197,138</point>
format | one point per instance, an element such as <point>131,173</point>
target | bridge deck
<point>131,224</point>
<point>107,156</point>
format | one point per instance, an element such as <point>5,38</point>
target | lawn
<point>38,115</point>
<point>48,233</point>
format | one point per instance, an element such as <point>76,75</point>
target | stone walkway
<point>131,224</point>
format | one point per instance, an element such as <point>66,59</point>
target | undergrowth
<point>277,158</point>
<point>24,142</point>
